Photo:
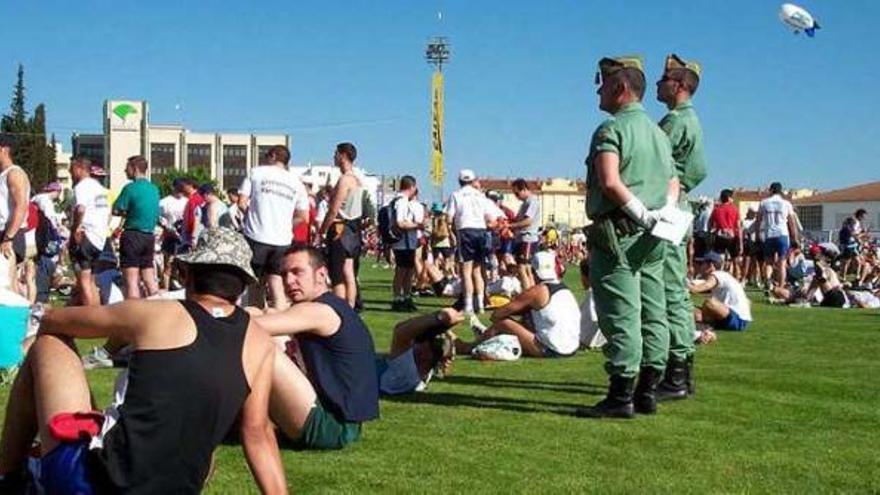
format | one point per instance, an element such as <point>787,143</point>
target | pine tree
<point>32,152</point>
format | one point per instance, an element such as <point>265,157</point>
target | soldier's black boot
<point>645,398</point>
<point>691,379</point>
<point>617,404</point>
<point>675,381</point>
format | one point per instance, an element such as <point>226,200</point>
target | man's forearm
<point>14,224</point>
<point>261,451</point>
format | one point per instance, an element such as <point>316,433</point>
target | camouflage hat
<point>610,65</point>
<point>221,246</point>
<point>674,62</point>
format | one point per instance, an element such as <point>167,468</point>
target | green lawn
<point>790,406</point>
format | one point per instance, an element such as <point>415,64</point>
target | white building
<point>128,132</point>
<point>823,214</point>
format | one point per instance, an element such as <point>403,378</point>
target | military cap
<point>611,65</point>
<point>674,62</point>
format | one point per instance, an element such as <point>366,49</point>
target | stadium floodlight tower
<point>437,54</point>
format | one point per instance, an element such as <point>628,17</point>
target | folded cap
<point>674,62</point>
<point>52,187</point>
<point>544,266</point>
<point>221,246</point>
<point>711,257</point>
<point>97,171</point>
<point>611,65</point>
<point>467,175</point>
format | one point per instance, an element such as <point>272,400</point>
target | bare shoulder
<point>257,348</point>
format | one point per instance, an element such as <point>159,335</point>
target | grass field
<point>790,406</point>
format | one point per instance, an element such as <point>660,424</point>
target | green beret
<point>674,62</point>
<point>611,65</point>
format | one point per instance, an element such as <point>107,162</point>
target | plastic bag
<point>498,348</point>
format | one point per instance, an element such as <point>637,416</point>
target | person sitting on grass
<point>550,324</point>
<point>324,405</point>
<point>197,366</point>
<point>727,308</point>
<point>420,348</point>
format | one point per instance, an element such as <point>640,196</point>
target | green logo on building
<point>123,110</point>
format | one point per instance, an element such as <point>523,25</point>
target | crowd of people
<point>236,313</point>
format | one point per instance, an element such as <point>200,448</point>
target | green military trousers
<point>679,306</point>
<point>626,274</point>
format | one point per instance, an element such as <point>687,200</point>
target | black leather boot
<point>645,398</point>
<point>691,379</point>
<point>617,404</point>
<point>675,381</point>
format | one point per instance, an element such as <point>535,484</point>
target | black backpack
<point>388,230</point>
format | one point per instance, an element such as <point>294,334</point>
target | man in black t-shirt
<point>323,407</point>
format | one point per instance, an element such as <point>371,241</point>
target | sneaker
<point>98,358</point>
<point>477,326</point>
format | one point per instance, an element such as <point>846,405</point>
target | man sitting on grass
<point>323,406</point>
<point>551,318</point>
<point>727,308</point>
<point>420,348</point>
<point>197,365</point>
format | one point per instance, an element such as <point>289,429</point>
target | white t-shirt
<point>401,376</point>
<point>730,292</point>
<point>591,336</point>
<point>275,193</point>
<point>92,196</point>
<point>530,208</point>
<point>407,211</point>
<point>558,324</point>
<point>6,199</point>
<point>775,211</point>
<point>469,207</point>
<point>171,210</point>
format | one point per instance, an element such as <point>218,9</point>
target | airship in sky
<point>798,19</point>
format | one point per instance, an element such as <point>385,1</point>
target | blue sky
<point>520,99</point>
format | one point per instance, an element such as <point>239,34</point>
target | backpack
<point>441,228</point>
<point>388,230</point>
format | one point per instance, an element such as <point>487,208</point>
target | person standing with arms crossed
<point>629,179</point>
<point>139,204</point>
<point>675,89</point>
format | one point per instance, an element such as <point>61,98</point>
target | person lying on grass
<point>551,318</point>
<point>420,348</point>
<point>197,365</point>
<point>324,405</point>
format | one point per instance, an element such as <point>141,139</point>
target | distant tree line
<point>34,151</point>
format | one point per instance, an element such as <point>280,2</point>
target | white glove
<point>636,210</point>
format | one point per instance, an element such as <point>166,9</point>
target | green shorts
<point>323,431</point>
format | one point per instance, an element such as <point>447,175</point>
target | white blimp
<point>798,19</point>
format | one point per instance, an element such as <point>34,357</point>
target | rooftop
<point>854,194</point>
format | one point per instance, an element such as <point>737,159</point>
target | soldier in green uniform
<point>675,89</point>
<point>629,176</point>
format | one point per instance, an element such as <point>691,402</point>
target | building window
<point>93,151</point>
<point>161,160</point>
<point>198,156</point>
<point>262,150</point>
<point>234,165</point>
<point>811,217</point>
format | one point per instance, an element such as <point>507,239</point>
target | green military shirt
<point>139,202</point>
<point>686,136</point>
<point>646,165</point>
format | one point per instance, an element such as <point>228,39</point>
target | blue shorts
<point>524,251</point>
<point>776,245</point>
<point>732,322</point>
<point>472,245</point>
<point>506,246</point>
<point>64,470</point>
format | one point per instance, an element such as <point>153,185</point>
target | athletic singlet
<point>353,206</point>
<point>177,405</point>
<point>557,324</point>
<point>6,201</point>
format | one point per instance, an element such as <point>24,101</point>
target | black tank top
<point>179,404</point>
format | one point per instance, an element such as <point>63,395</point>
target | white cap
<point>544,266</point>
<point>467,175</point>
